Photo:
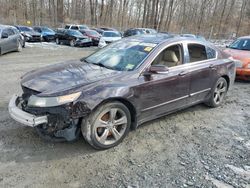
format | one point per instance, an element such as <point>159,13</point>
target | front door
<point>162,93</point>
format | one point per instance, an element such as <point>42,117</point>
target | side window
<point>169,57</point>
<point>74,27</point>
<point>67,27</point>
<point>5,32</point>
<point>197,52</point>
<point>211,53</point>
<point>10,32</point>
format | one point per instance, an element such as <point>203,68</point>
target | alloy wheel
<point>72,43</point>
<point>110,126</point>
<point>220,91</point>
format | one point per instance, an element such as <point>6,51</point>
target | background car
<point>76,27</point>
<point>109,37</point>
<point>9,40</point>
<point>46,33</point>
<point>240,51</point>
<point>22,38</point>
<point>94,35</point>
<point>72,37</point>
<point>133,31</point>
<point>29,34</point>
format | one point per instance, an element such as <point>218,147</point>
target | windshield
<point>46,29</point>
<point>25,28</point>
<point>121,55</point>
<point>83,27</point>
<point>241,44</point>
<point>93,33</point>
<point>75,32</point>
<point>111,34</point>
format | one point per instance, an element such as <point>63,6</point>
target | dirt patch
<point>196,147</point>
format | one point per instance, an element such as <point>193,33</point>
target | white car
<point>109,37</point>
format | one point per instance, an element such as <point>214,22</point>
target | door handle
<point>183,73</point>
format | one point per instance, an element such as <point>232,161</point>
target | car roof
<point>160,38</point>
<point>245,37</point>
<point>4,26</point>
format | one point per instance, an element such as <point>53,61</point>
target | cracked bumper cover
<point>23,117</point>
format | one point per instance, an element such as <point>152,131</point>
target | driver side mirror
<point>158,69</point>
<point>5,36</point>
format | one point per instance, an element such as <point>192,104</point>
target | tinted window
<point>211,53</point>
<point>74,27</point>
<point>10,32</point>
<point>197,52</point>
<point>5,32</point>
<point>169,57</point>
<point>74,32</point>
<point>67,27</point>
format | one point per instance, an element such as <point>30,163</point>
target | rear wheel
<point>219,92</point>
<point>107,126</point>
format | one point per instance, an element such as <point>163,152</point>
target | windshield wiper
<point>102,65</point>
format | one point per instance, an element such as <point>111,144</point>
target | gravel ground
<point>196,147</point>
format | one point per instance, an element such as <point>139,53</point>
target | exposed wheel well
<point>128,104</point>
<point>227,79</point>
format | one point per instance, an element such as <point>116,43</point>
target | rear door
<point>202,69</point>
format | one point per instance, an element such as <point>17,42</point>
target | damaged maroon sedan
<point>117,88</point>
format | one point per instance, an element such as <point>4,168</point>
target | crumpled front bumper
<point>23,117</point>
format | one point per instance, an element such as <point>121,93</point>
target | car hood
<point>242,55</point>
<point>32,33</point>
<point>111,39</point>
<point>62,77</point>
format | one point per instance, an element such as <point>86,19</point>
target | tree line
<point>205,17</point>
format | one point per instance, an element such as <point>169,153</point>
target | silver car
<point>9,40</point>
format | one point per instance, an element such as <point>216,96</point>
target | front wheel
<point>57,41</point>
<point>72,42</point>
<point>19,46</point>
<point>107,126</point>
<point>218,94</point>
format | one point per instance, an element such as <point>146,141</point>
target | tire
<point>19,46</point>
<point>72,43</point>
<point>218,93</point>
<point>57,41</point>
<point>100,129</point>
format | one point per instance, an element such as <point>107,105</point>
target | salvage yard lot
<point>197,147</point>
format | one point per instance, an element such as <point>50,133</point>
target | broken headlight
<point>36,101</point>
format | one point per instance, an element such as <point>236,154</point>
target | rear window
<point>211,53</point>
<point>197,52</point>
<point>74,27</point>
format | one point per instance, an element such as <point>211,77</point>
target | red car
<point>95,36</point>
<point>240,51</point>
